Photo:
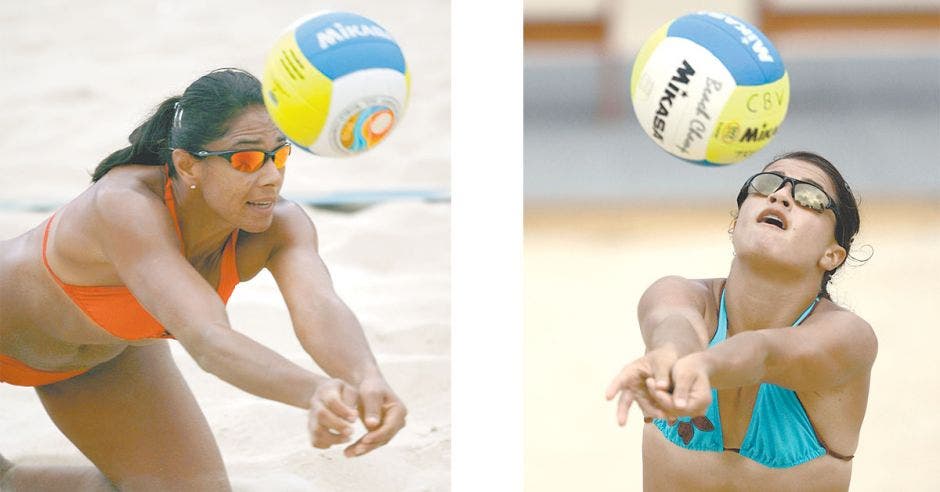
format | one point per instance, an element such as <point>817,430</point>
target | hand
<point>382,413</point>
<point>332,413</point>
<point>689,391</point>
<point>692,391</point>
<point>646,381</point>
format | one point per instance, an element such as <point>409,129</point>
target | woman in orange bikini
<point>757,381</point>
<point>152,250</point>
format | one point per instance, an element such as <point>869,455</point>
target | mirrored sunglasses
<point>249,161</point>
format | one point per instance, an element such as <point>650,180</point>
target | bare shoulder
<point>842,324</point>
<point>120,200</point>
<point>142,178</point>
<point>291,227</point>
<point>677,290</point>
<point>695,300</point>
<point>125,190</point>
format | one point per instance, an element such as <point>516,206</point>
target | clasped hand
<point>664,385</point>
<point>336,405</point>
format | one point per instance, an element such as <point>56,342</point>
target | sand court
<point>404,308</point>
<point>78,79</point>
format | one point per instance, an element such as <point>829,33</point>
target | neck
<point>204,233</point>
<point>757,299</point>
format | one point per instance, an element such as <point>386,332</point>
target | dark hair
<point>846,206</point>
<point>200,115</point>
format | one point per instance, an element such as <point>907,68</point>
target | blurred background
<point>607,212</point>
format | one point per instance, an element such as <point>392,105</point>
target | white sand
<point>78,79</point>
<point>584,273</point>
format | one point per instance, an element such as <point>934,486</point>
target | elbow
<point>204,348</point>
<point>202,353</point>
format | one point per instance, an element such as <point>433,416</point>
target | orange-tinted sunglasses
<point>249,161</point>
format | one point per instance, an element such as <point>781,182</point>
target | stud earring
<point>192,187</point>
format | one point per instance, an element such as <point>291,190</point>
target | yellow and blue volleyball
<point>709,88</point>
<point>336,83</point>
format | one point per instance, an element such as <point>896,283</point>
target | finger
<point>392,423</point>
<point>660,372</point>
<point>372,408</point>
<point>647,406</point>
<point>358,448</point>
<point>616,384</point>
<point>700,397</point>
<point>321,416</point>
<point>323,439</point>
<point>660,397</point>
<point>623,407</point>
<point>363,446</point>
<point>342,402</point>
<point>631,374</point>
<point>680,395</point>
<point>331,396</point>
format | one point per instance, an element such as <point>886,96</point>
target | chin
<point>254,227</point>
<point>773,259</point>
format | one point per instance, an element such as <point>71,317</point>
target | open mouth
<point>773,218</point>
<point>261,205</point>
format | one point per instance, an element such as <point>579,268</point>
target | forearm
<point>738,361</point>
<point>334,339</point>
<point>674,333</point>
<point>254,368</point>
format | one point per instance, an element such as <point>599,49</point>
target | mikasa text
<point>682,76</point>
<point>341,32</point>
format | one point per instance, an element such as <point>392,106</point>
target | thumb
<point>372,408</point>
<point>661,370</point>
<point>684,381</point>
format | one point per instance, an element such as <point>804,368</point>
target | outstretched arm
<point>330,332</point>
<point>672,315</point>
<point>672,321</point>
<point>136,234</point>
<point>826,351</point>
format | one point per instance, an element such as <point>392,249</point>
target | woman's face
<point>245,200</point>
<point>799,239</point>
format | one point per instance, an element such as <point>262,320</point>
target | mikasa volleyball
<point>336,83</point>
<point>709,88</point>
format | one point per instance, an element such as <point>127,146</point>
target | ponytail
<point>149,142</point>
<point>188,122</point>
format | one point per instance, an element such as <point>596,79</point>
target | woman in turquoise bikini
<point>758,379</point>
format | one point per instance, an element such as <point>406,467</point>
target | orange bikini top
<point>115,309</point>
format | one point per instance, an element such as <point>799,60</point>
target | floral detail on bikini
<point>686,430</point>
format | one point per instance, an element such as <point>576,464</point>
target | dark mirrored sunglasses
<point>806,194</point>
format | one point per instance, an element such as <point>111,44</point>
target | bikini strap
<point>721,331</point>
<point>228,270</point>
<point>45,238</point>
<point>807,311</point>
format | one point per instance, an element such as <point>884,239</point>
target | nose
<point>269,174</point>
<point>784,195</point>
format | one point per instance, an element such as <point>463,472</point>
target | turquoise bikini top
<point>779,435</point>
